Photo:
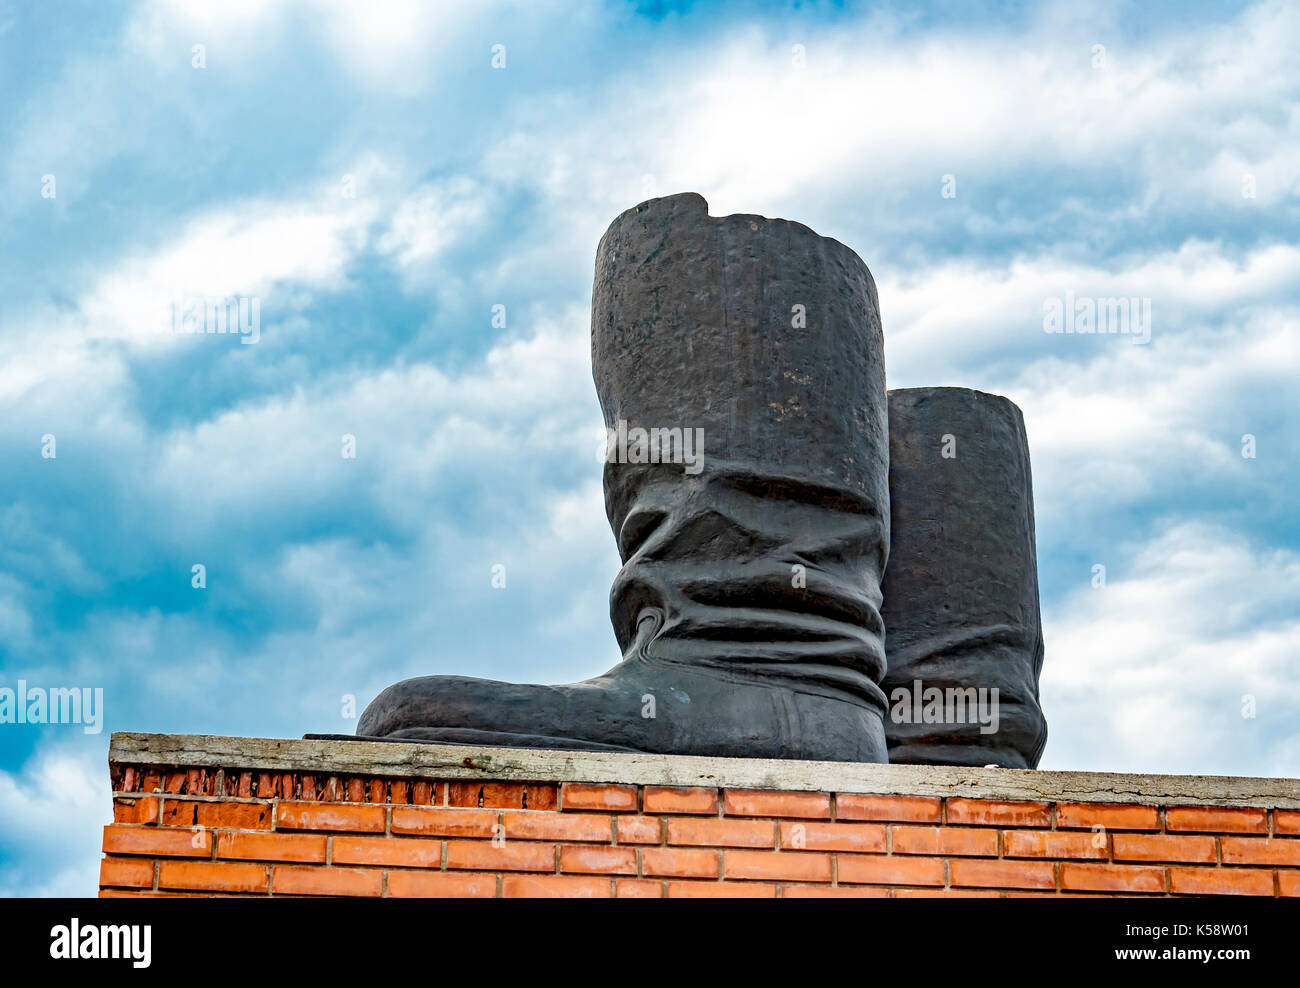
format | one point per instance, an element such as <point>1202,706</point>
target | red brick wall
<point>186,832</point>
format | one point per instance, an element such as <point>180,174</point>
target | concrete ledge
<point>439,761</point>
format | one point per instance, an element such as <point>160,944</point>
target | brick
<point>440,885</point>
<point>134,872</point>
<point>879,869</point>
<point>408,852</point>
<point>1112,878</point>
<point>356,790</point>
<point>224,814</point>
<point>722,833</point>
<point>1286,822</point>
<point>1164,847</point>
<point>666,799</point>
<point>179,813</point>
<point>542,796</point>
<point>1220,881</point>
<point>1012,894</point>
<point>996,813</point>
<point>1051,844</point>
<point>436,821</point>
<point>1217,819</point>
<point>679,862</point>
<point>638,888</point>
<point>797,866</point>
<point>218,876</point>
<point>720,890</point>
<point>472,794</point>
<point>576,858</point>
<point>150,894</point>
<point>755,802</point>
<point>235,816</point>
<point>945,840</point>
<point>399,791</point>
<point>947,894</point>
<point>423,794</point>
<point>528,825</point>
<point>271,847</point>
<point>1260,851</point>
<point>153,841</point>
<point>1112,816</point>
<point>833,892</point>
<point>1002,874</point>
<point>553,887</point>
<point>1288,883</point>
<point>865,838</point>
<point>308,880</point>
<point>639,829</point>
<point>330,816</point>
<point>903,809</point>
<point>611,799</point>
<point>138,810</point>
<point>501,795</point>
<point>510,856</point>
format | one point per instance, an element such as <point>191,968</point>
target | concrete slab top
<point>451,761</point>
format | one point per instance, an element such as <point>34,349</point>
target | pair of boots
<point>749,606</point>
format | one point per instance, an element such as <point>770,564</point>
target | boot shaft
<point>763,339</point>
<point>756,331</point>
<point>961,588</point>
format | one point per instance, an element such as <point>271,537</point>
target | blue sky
<point>477,186</point>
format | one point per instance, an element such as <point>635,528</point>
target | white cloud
<point>1112,423</point>
<point>418,430</point>
<point>51,812</point>
<point>1149,674</point>
<point>398,47</point>
<point>943,315</point>
<point>874,108</point>
<point>433,218</point>
<point>247,249</point>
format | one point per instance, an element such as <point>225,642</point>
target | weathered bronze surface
<point>961,589</point>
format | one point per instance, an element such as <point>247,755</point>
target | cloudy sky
<point>379,186</point>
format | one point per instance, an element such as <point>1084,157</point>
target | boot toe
<point>433,702</point>
<point>464,710</point>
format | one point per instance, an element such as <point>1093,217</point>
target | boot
<point>961,589</point>
<point>747,607</point>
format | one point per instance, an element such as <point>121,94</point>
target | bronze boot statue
<point>961,588</point>
<point>739,365</point>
